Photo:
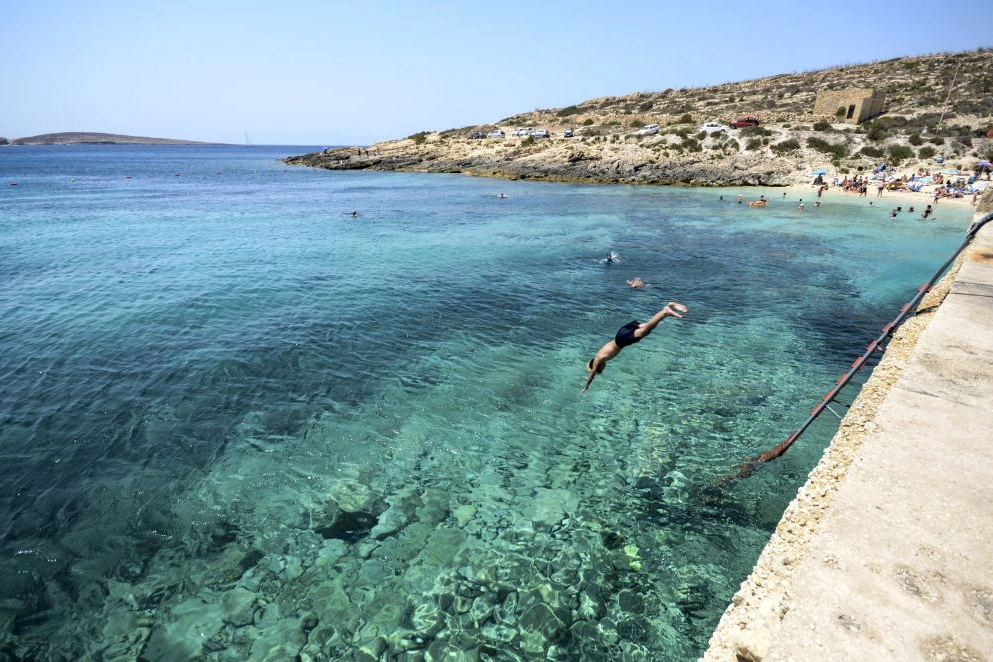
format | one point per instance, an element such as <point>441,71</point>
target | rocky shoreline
<point>560,161</point>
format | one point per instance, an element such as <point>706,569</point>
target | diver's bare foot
<point>674,309</point>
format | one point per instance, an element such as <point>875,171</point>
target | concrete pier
<point>887,551</point>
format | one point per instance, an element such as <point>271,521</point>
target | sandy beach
<point>887,202</point>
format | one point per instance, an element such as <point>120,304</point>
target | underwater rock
<point>282,640</point>
<point>239,607</point>
<point>348,526</point>
<point>549,507</point>
<point>390,522</point>
<point>425,617</point>
<point>180,632</point>
<point>8,612</point>
<point>330,551</point>
<point>630,601</point>
<point>230,565</point>
<point>400,512</point>
<point>373,572</point>
<point>506,612</point>
<point>128,647</point>
<point>498,634</point>
<point>293,568</point>
<point>464,514</point>
<point>434,507</point>
<point>442,546</point>
<point>540,618</point>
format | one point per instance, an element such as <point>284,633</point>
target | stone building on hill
<point>860,103</point>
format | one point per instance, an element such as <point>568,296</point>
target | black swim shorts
<point>625,334</point>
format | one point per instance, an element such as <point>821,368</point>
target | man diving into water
<point>629,334</point>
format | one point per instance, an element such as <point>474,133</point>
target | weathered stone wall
<point>861,103</point>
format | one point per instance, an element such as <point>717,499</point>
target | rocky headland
<point>90,138</point>
<point>938,113</point>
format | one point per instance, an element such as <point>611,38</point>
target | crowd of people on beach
<point>947,185</point>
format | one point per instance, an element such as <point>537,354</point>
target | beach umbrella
<point>819,172</point>
<point>984,164</point>
<point>950,171</point>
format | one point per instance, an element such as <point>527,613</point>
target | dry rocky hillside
<point>938,113</point>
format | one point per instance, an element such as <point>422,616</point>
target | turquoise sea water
<point>238,422</point>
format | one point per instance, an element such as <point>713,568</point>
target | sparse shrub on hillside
<point>569,110</point>
<point>749,131</point>
<point>915,140</point>
<point>691,145</point>
<point>891,121</point>
<point>588,121</point>
<point>936,140</point>
<point>871,152</point>
<point>877,133</point>
<point>646,106</point>
<point>636,124</point>
<point>837,150</point>
<point>822,125</point>
<point>419,137</point>
<point>702,135</point>
<point>899,153</point>
<point>926,152</point>
<point>753,143</point>
<point>786,146</point>
<point>685,118</point>
<point>527,142</point>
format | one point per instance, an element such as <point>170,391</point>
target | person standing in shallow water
<point>628,334</point>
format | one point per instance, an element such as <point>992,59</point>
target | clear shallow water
<point>236,419</point>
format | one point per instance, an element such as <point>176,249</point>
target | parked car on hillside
<point>742,122</point>
<point>648,130</point>
<point>476,135</point>
<point>568,133</point>
<point>495,134</point>
<point>540,133</point>
<point>714,127</point>
<point>521,132</point>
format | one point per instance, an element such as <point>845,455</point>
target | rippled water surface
<point>237,421</point>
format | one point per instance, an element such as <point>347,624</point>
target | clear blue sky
<point>312,72</point>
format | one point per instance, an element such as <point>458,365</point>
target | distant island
<point>929,112</point>
<point>90,138</point>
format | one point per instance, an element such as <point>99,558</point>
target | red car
<point>742,122</point>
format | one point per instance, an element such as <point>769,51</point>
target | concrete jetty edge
<point>886,552</point>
